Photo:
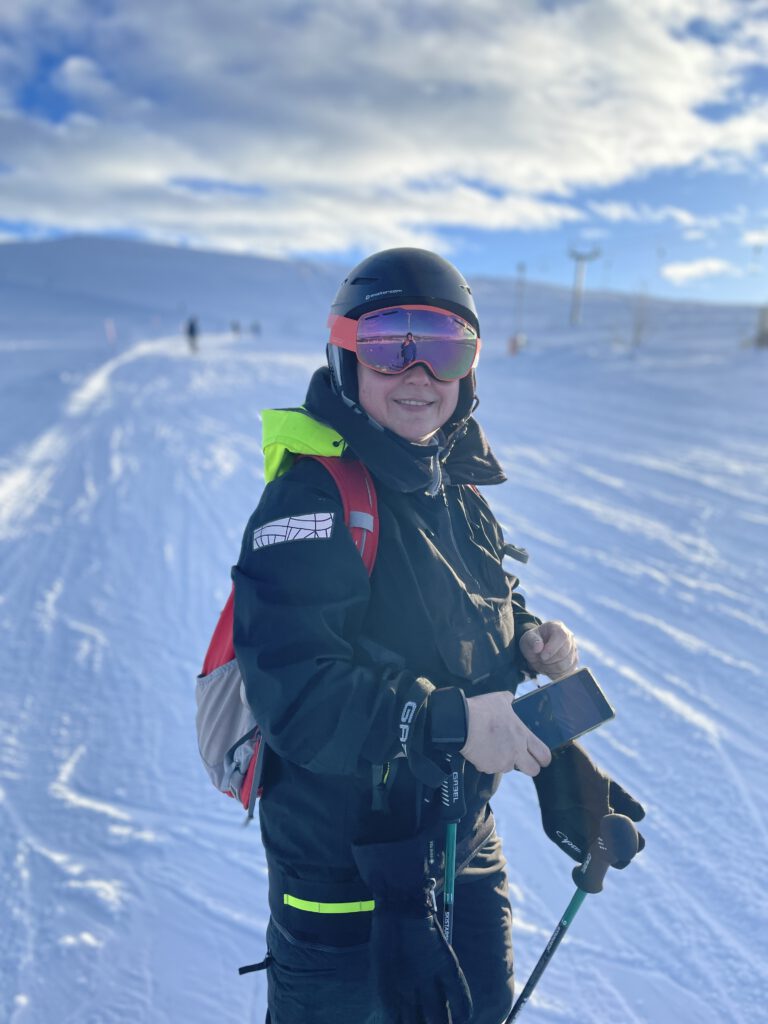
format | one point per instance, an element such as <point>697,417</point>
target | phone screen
<point>559,712</point>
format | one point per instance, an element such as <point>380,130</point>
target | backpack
<point>229,738</point>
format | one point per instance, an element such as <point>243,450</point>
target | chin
<point>419,438</point>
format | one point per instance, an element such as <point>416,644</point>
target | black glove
<point>574,796</point>
<point>416,975</point>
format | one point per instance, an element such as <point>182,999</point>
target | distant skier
<point>362,685</point>
<point>192,332</point>
<point>110,330</point>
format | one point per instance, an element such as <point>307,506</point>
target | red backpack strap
<point>221,649</point>
<point>358,498</point>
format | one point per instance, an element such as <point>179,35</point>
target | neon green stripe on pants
<point>312,907</point>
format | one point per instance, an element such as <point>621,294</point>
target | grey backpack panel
<point>222,713</point>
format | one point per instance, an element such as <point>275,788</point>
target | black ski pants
<point>310,984</point>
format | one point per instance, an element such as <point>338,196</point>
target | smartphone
<point>559,712</point>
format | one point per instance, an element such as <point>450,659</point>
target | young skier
<point>363,684</point>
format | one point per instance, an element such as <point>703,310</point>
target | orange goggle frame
<point>393,339</point>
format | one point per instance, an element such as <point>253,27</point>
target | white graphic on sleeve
<point>313,526</point>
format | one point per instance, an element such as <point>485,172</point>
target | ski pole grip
<point>589,875</point>
<point>454,806</point>
<point>616,844</point>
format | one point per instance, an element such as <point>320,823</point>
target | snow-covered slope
<point>637,480</point>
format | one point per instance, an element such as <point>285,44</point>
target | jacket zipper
<point>468,574</point>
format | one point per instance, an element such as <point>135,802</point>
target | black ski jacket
<point>341,670</point>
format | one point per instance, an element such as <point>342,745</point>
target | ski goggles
<point>392,340</point>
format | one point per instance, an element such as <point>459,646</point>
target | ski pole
<point>453,809</point>
<point>616,844</point>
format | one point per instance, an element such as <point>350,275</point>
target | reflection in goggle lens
<point>391,340</point>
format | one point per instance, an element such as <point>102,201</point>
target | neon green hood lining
<point>286,433</point>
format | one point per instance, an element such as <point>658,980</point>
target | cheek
<point>372,390</point>
<point>451,399</point>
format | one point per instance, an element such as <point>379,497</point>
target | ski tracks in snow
<point>117,528</point>
<point>61,907</point>
<point>650,544</point>
<point>93,788</point>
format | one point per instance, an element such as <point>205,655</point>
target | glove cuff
<point>447,720</point>
<point>573,779</point>
<point>416,905</point>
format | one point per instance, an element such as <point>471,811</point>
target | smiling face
<point>412,404</point>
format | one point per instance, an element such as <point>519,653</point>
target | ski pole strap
<point>454,806</point>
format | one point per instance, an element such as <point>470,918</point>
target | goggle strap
<point>343,332</point>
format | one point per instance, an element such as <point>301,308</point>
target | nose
<point>419,373</point>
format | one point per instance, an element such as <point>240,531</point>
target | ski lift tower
<point>761,338</point>
<point>517,340</point>
<point>580,260</point>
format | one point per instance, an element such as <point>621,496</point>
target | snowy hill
<point>147,290</point>
<point>638,480</point>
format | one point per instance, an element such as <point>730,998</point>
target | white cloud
<point>83,79</point>
<point>365,124</point>
<point>757,238</point>
<point>644,214</point>
<point>615,211</point>
<point>682,273</point>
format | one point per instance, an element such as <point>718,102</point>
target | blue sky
<point>497,133</point>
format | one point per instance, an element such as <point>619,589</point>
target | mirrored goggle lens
<point>391,340</point>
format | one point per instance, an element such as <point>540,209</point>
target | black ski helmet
<point>394,277</point>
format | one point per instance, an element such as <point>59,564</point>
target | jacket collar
<point>461,455</point>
